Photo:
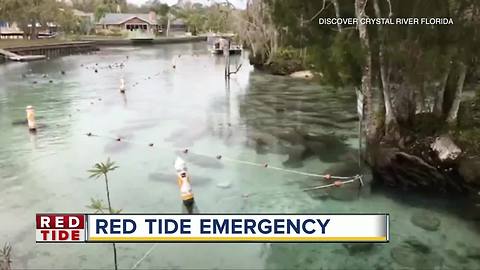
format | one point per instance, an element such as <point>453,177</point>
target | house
<point>13,31</point>
<point>128,21</point>
<point>8,30</point>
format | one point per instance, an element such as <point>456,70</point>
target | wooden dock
<point>55,49</point>
<point>16,57</point>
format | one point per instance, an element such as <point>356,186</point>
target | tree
<point>162,9</point>
<point>28,13</point>
<point>99,170</point>
<point>219,17</point>
<point>100,12</point>
<point>366,83</point>
<point>417,68</point>
<point>68,22</point>
<point>195,17</point>
<point>257,29</point>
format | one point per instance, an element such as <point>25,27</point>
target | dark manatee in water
<point>318,194</point>
<point>171,178</point>
<point>288,134</point>
<point>454,256</point>
<point>201,161</point>
<point>347,192</point>
<point>473,253</point>
<point>188,135</point>
<point>425,220</point>
<point>415,243</point>
<point>296,154</point>
<point>262,142</point>
<point>327,147</point>
<point>137,125</point>
<point>355,248</point>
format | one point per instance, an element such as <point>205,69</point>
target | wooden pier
<point>37,52</point>
<point>15,57</point>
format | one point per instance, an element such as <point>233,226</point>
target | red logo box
<point>60,228</point>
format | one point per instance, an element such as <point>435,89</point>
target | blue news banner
<point>212,228</point>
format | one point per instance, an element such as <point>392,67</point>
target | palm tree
<point>98,170</point>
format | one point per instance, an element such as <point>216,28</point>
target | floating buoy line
<point>338,180</point>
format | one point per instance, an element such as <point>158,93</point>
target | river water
<point>293,124</point>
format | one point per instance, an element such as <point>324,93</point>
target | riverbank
<point>54,47</point>
<point>291,124</point>
<point>285,62</point>
<point>104,41</point>
<point>51,49</point>
<point>436,159</point>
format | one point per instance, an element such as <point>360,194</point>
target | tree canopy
<point>416,67</point>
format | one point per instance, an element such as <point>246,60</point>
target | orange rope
<point>239,161</point>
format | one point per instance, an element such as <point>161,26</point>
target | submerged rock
<point>425,220</point>
<point>446,148</point>
<point>454,256</point>
<point>409,255</point>
<point>469,169</point>
<point>296,155</point>
<point>416,244</point>
<point>473,253</point>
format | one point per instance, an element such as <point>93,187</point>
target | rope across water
<point>233,160</point>
<point>338,180</point>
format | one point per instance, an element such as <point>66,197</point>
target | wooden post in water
<point>31,118</point>
<point>122,85</point>
<point>226,52</point>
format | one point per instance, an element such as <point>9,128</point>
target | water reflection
<point>298,119</point>
<point>190,209</point>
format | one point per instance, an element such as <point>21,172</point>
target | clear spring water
<point>258,117</point>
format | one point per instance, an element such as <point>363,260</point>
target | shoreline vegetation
<point>420,122</point>
<point>421,131</point>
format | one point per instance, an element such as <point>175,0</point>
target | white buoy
<point>31,118</point>
<point>180,165</point>
<point>183,180</point>
<point>122,85</point>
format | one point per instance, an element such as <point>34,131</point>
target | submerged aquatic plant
<point>5,257</point>
<point>99,170</point>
